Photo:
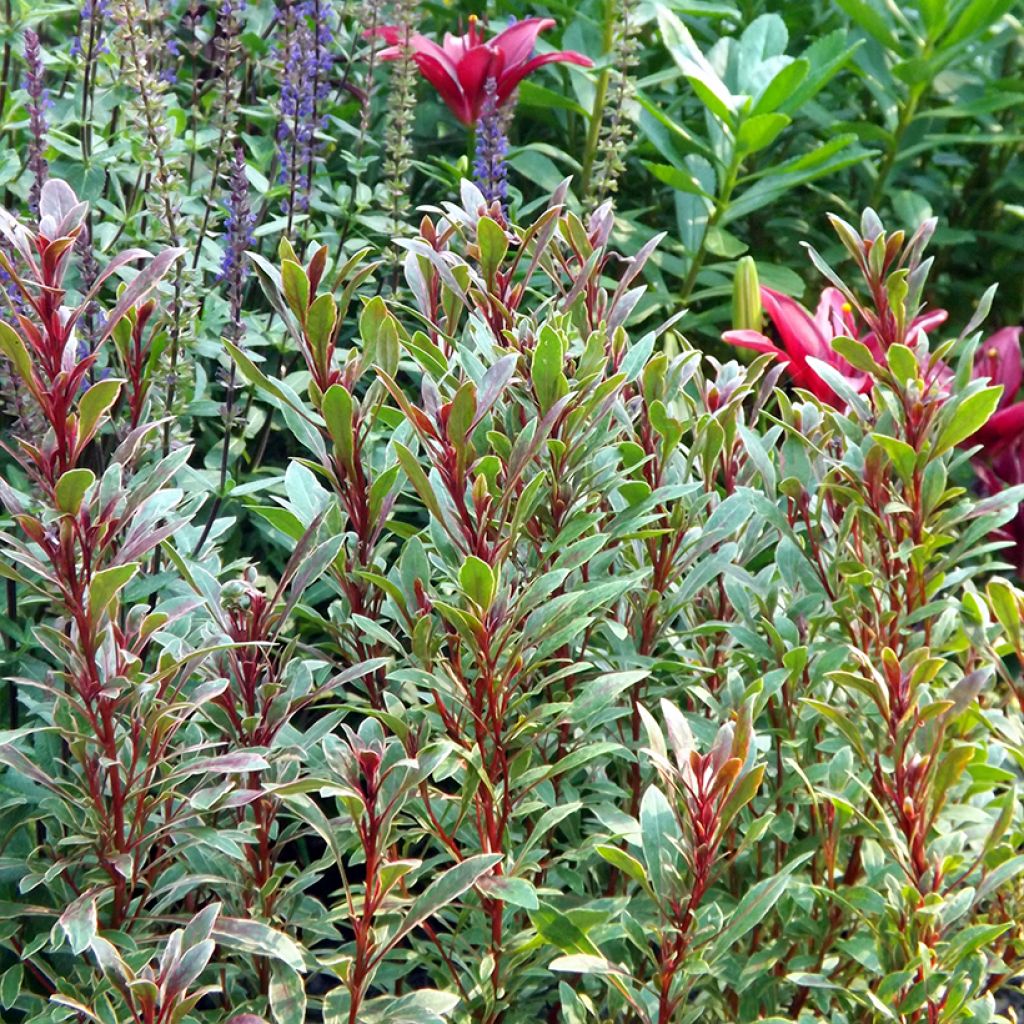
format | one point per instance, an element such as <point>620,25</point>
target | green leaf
<point>1004,600</point>
<point>867,16</point>
<point>903,456</point>
<point>320,323</point>
<point>977,16</point>
<point>14,348</point>
<point>659,837</point>
<point>857,354</point>
<point>586,963</point>
<point>287,995</point>
<point>781,87</point>
<point>10,986</point>
<point>94,404</point>
<point>840,720</point>
<point>337,413</point>
<point>412,469</point>
<point>742,793</point>
<point>518,892</point>
<point>680,180</point>
<point>625,862</point>
<point>106,585</point>
<point>493,244</point>
<point>295,285</point>
<point>254,937</point>
<point>449,887</point>
<point>695,66</point>
<point>254,375</point>
<point>964,418</point>
<point>79,922</point>
<point>902,362</point>
<point>969,941</point>
<point>752,909</point>
<point>559,930</point>
<point>71,488</point>
<point>477,581</point>
<point>760,131</point>
<point>546,369</point>
<point>597,694</point>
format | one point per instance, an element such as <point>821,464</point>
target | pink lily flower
<point>803,337</point>
<point>998,358</point>
<point>1000,463</point>
<point>460,68</point>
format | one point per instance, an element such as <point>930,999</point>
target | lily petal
<point>797,330</point>
<point>754,340</point>
<point>1002,430</point>
<point>514,75</point>
<point>518,40</point>
<point>443,78</point>
<point>479,64</point>
<point>999,359</point>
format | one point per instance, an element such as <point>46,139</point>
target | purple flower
<point>38,102</point>
<point>306,65</point>
<point>490,170</point>
<point>90,39</point>
<point>238,237</point>
<point>169,74</point>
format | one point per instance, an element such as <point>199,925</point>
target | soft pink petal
<point>999,359</point>
<point>832,313</point>
<point>454,47</point>
<point>1003,429</point>
<point>929,321</point>
<point>754,340</point>
<point>797,330</point>
<point>518,40</point>
<point>448,87</point>
<point>512,76</point>
<point>479,64</point>
<point>389,33</point>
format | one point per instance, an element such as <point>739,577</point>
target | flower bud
<point>746,297</point>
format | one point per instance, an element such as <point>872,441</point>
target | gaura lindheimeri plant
<point>105,747</point>
<point>555,674</point>
<point>460,68</point>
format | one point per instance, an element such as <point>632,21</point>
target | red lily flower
<point>1000,463</point>
<point>804,337</point>
<point>999,359</point>
<point>459,70</point>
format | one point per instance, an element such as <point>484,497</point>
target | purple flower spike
<point>91,40</point>
<point>38,102</point>
<point>490,169</point>
<point>238,237</point>
<point>307,62</point>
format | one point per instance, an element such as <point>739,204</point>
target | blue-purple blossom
<point>91,39</point>
<point>307,61</point>
<point>38,101</point>
<point>238,237</point>
<point>490,169</point>
<point>169,74</point>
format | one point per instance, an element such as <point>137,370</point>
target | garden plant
<point>511,514</point>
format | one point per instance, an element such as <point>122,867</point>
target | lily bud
<point>746,297</point>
